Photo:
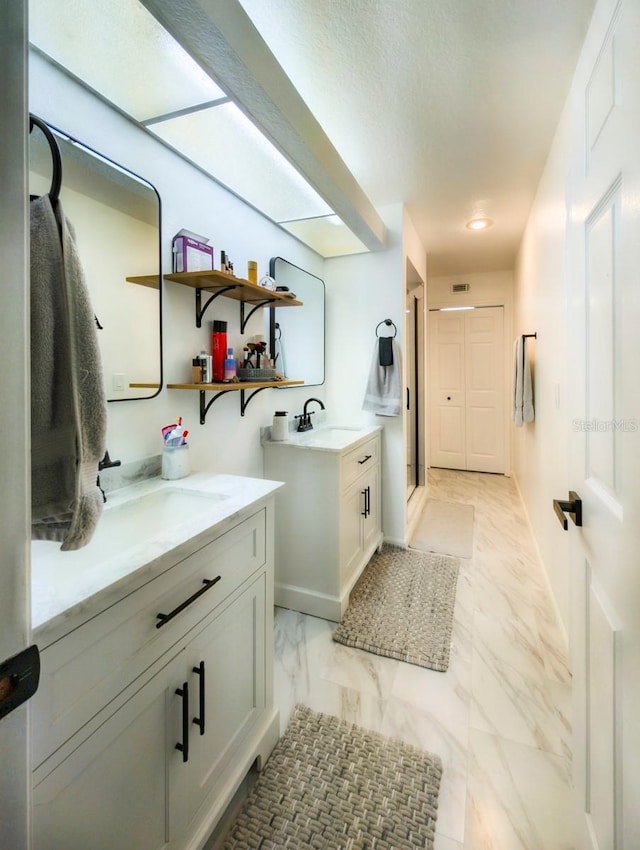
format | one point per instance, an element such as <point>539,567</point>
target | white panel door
<point>485,389</point>
<point>604,316</point>
<point>466,354</point>
<point>447,377</point>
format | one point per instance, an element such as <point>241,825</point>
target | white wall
<point>362,290</point>
<point>227,442</point>
<point>540,448</point>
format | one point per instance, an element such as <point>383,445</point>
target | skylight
<point>118,49</point>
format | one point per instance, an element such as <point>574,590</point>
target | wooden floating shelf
<point>145,386</point>
<point>150,280</point>
<point>223,389</point>
<point>230,387</point>
<point>241,289</point>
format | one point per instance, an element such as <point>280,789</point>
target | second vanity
<point>157,665</point>
<point>329,517</point>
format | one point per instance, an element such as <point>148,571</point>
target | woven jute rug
<point>402,607</point>
<point>329,785</point>
<point>446,528</point>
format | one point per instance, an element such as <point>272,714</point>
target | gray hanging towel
<point>383,394</point>
<point>522,407</point>
<point>68,407</point>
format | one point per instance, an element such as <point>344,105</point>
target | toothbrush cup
<point>175,462</point>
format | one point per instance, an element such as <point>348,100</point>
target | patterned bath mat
<point>445,527</point>
<point>330,785</point>
<point>402,607</point>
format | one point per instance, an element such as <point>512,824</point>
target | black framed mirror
<point>116,215</point>
<point>297,335</point>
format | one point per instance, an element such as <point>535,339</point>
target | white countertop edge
<point>65,593</point>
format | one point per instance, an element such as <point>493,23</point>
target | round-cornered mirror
<point>297,335</point>
<point>116,218</point>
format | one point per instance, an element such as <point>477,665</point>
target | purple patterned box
<point>191,255</point>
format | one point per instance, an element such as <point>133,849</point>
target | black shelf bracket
<point>245,318</point>
<point>204,406</point>
<point>244,399</point>
<point>200,310</point>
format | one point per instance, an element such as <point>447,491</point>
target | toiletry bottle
<point>223,261</point>
<point>280,426</point>
<point>218,349</point>
<point>252,271</point>
<point>197,370</point>
<point>229,365</point>
<point>208,366</point>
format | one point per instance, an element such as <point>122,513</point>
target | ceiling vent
<point>460,287</point>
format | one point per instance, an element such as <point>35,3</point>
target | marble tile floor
<point>499,717</point>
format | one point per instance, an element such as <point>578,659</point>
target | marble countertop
<point>327,438</point>
<point>144,529</point>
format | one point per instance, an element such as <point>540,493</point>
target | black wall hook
<point>56,178</point>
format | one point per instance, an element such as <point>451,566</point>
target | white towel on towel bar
<point>383,394</point>
<point>522,407</point>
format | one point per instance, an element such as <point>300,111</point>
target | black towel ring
<point>389,324</point>
<point>56,178</point>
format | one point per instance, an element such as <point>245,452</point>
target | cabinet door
<point>372,523</point>
<point>231,652</point>
<point>116,790</point>
<point>351,531</point>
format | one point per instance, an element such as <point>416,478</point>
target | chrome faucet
<point>305,418</point>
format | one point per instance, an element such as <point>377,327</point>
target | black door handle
<point>573,507</point>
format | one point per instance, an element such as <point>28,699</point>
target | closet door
<point>447,380</point>
<point>485,389</point>
<point>466,371</point>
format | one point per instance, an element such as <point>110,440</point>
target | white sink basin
<point>125,525</point>
<point>152,514</point>
<point>331,437</point>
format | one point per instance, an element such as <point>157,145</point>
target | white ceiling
<point>449,106</point>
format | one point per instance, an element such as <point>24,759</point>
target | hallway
<point>499,717</point>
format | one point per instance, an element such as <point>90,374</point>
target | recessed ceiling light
<point>479,223</point>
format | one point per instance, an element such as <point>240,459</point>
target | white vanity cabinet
<point>328,521</point>
<point>142,734</point>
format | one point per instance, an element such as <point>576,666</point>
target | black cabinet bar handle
<point>164,618</point>
<point>365,459</point>
<point>199,721</point>
<point>367,502</point>
<point>184,746</point>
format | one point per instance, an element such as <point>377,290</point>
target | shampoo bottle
<point>218,349</point>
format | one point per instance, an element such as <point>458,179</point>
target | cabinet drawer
<point>87,668</point>
<point>360,460</point>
